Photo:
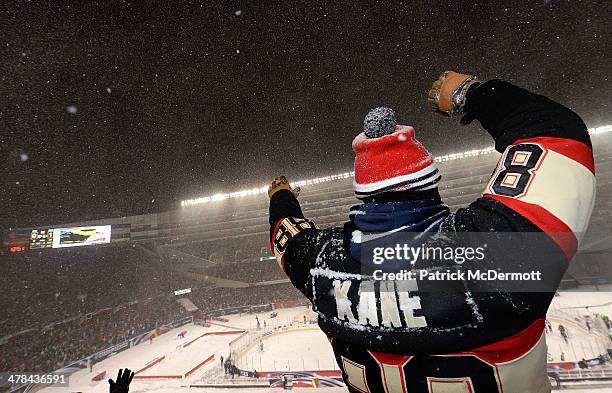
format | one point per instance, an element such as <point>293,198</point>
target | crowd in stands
<point>60,306</point>
<point>250,271</point>
<point>42,350</point>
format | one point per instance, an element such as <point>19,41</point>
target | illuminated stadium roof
<point>345,175</point>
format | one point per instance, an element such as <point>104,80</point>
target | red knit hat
<point>389,158</point>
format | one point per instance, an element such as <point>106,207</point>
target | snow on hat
<point>389,158</point>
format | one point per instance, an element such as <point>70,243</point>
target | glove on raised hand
<point>281,183</point>
<point>448,93</point>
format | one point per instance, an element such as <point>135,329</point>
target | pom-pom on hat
<point>389,158</point>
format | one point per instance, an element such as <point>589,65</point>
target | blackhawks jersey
<point>396,337</point>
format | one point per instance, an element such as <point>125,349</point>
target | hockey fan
<point>405,339</point>
<point>122,383</point>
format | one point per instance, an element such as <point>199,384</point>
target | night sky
<point>119,108</point>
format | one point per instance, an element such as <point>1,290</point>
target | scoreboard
<point>70,237</point>
<point>41,238</point>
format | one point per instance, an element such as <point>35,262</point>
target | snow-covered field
<point>178,360</point>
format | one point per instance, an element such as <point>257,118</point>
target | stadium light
<point>600,130</point>
<point>346,175</point>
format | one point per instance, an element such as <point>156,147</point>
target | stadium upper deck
<point>243,216</point>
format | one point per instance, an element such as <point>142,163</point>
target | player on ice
<point>397,337</point>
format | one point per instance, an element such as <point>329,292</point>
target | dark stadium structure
<point>56,300</point>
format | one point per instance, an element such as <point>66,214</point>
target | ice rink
<point>304,348</point>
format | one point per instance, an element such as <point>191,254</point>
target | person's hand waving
<point>122,384</point>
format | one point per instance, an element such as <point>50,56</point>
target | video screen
<point>81,236</point>
<point>70,237</point>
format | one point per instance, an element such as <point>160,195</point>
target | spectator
<point>563,333</point>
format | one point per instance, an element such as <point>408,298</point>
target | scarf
<point>375,224</point>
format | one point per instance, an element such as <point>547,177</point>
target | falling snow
<point>178,116</point>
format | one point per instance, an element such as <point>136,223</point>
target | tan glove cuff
<point>272,191</point>
<point>447,94</point>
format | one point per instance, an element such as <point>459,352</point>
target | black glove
<point>123,382</point>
